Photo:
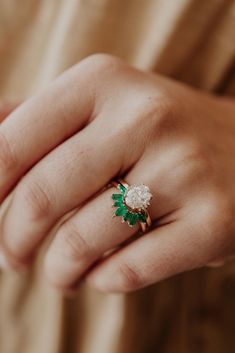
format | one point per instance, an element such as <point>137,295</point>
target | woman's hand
<point>103,119</point>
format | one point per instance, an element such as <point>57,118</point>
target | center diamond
<point>138,196</point>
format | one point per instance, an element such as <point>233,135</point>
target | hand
<point>103,119</point>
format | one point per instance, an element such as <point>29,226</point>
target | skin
<point>99,120</point>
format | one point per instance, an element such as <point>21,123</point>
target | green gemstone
<point>142,217</point>
<point>118,204</point>
<point>121,211</point>
<point>118,197</point>
<point>121,188</point>
<point>133,219</point>
<point>127,217</point>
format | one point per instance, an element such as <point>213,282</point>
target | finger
<point>91,231</point>
<point>61,181</point>
<point>161,253</point>
<point>83,239</point>
<point>41,123</point>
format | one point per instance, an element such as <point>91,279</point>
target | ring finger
<point>83,239</point>
<point>91,232</point>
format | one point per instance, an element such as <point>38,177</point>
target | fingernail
<point>4,265</point>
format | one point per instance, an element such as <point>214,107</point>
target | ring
<point>131,203</point>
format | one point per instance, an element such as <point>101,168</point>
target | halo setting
<point>131,203</point>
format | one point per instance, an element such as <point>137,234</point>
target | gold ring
<point>131,203</point>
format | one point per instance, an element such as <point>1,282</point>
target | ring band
<point>131,203</point>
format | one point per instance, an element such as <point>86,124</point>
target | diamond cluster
<point>131,203</point>
<point>138,196</point>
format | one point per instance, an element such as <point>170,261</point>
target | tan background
<point>190,40</point>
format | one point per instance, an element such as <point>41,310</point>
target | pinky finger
<point>161,253</point>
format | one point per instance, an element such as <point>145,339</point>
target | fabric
<point>190,40</point>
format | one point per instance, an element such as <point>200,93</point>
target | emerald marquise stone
<point>127,217</point>
<point>133,218</point>
<point>121,211</point>
<point>118,204</point>
<point>122,188</point>
<point>142,217</point>
<point>118,197</point>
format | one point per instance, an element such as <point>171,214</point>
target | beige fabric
<point>190,40</point>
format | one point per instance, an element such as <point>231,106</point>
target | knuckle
<point>130,279</point>
<point>198,155</point>
<point>102,61</point>
<point>216,224</point>
<point>99,64</point>
<point>219,211</point>
<point>195,157</point>
<point>36,198</point>
<point>167,114</point>
<point>222,213</point>
<point>192,163</point>
<point>75,245</point>
<point>8,160</point>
